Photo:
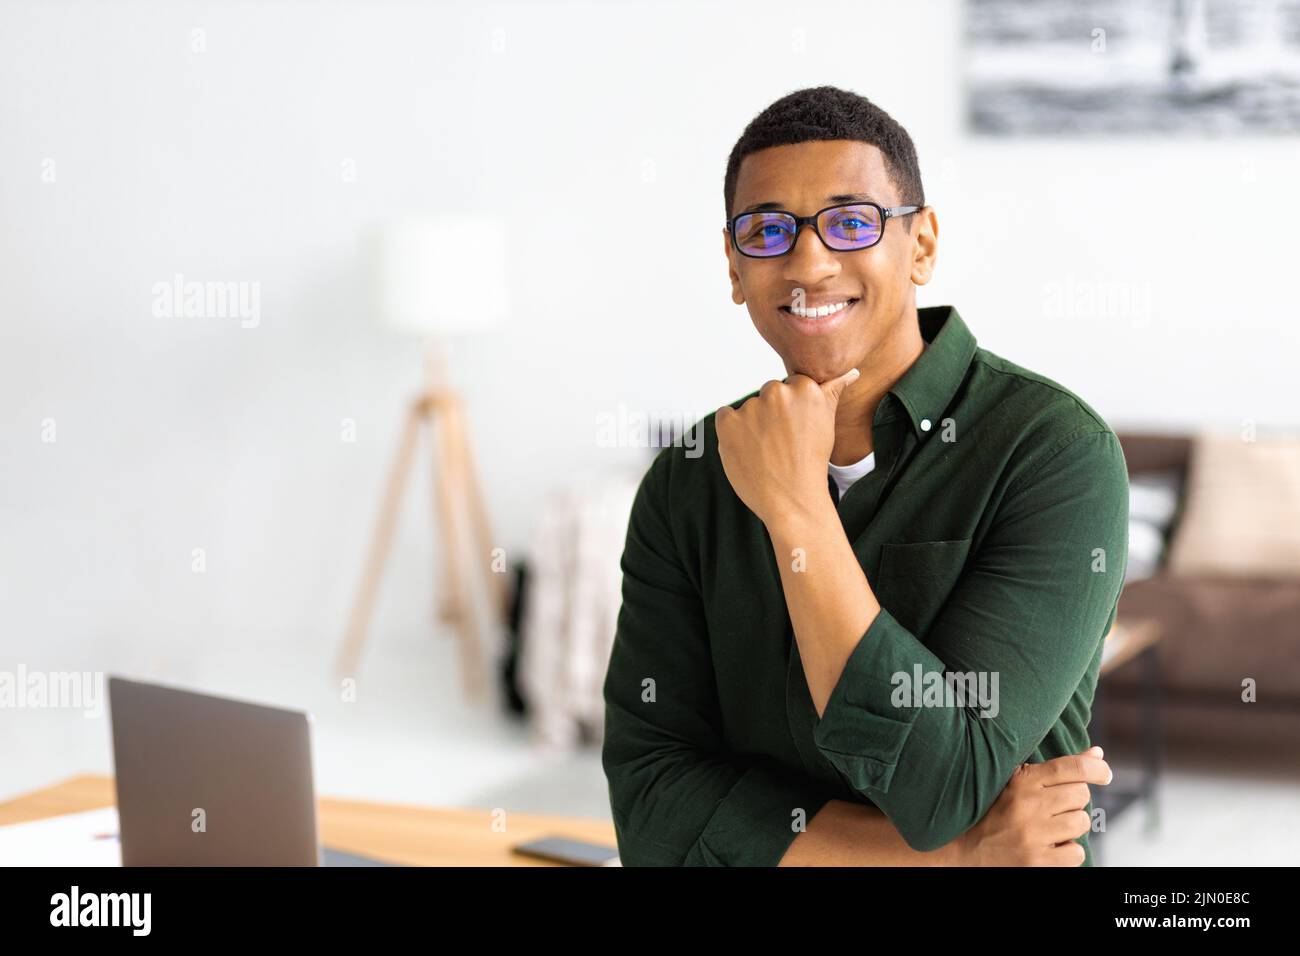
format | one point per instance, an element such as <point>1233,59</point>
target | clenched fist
<point>776,447</point>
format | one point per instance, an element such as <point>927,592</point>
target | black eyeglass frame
<point>886,213</point>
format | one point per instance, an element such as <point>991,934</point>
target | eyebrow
<point>835,200</point>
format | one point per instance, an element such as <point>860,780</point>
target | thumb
<point>836,386</point>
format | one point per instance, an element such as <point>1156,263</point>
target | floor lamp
<point>439,279</point>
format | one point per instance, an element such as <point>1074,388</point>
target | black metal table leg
<point>1151,735</point>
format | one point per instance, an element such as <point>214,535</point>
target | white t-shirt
<point>846,475</point>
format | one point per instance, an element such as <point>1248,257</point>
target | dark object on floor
<point>515,702</point>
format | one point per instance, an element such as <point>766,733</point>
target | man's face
<point>877,282</point>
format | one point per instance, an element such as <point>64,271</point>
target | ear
<point>925,245</point>
<point>737,293</point>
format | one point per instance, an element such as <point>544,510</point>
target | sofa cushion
<point>1241,516</point>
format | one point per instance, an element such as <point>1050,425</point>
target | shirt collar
<point>926,389</point>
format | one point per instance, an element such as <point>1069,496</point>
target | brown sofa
<point>1215,632</point>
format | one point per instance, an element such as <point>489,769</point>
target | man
<point>865,625</point>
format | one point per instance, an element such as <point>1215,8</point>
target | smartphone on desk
<point>573,852</point>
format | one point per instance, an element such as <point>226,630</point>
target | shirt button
<point>925,424</point>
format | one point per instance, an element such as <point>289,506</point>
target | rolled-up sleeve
<point>1031,607</point>
<point>677,796</point>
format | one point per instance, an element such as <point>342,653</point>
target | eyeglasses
<point>859,225</point>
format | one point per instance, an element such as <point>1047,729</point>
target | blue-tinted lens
<point>764,233</point>
<point>851,227</point>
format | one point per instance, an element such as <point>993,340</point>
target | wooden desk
<point>1126,641</point>
<point>397,833</point>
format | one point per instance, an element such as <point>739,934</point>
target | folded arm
<point>1031,608</point>
<point>678,796</point>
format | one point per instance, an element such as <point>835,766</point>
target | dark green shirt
<point>994,533</point>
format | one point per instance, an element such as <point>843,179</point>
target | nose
<point>809,261</point>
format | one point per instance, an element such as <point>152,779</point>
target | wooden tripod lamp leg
<point>479,555</point>
<point>355,637</point>
<point>466,538</point>
<point>496,583</point>
<point>457,558</point>
<point>450,602</point>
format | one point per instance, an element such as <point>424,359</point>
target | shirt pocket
<point>916,578</point>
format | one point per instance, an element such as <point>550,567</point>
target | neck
<point>880,370</point>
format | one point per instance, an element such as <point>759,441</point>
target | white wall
<point>174,434</point>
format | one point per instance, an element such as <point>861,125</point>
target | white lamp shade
<point>441,276</point>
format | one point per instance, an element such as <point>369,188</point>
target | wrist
<point>800,520</point>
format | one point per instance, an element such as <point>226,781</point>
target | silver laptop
<point>208,781</point>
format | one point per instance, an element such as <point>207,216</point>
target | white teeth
<point>818,313</point>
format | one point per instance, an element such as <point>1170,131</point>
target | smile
<point>821,319</point>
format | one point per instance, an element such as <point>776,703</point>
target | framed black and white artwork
<point>1217,67</point>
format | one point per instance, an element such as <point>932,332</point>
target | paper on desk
<point>73,839</point>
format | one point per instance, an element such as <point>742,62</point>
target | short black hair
<point>828,112</point>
